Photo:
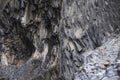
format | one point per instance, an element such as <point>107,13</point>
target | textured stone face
<point>59,39</point>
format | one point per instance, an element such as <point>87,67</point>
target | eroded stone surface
<point>60,39</point>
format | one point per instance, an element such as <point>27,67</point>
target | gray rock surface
<point>59,39</point>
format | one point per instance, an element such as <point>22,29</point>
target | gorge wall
<point>59,39</point>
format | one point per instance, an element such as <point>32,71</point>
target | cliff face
<point>59,39</point>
